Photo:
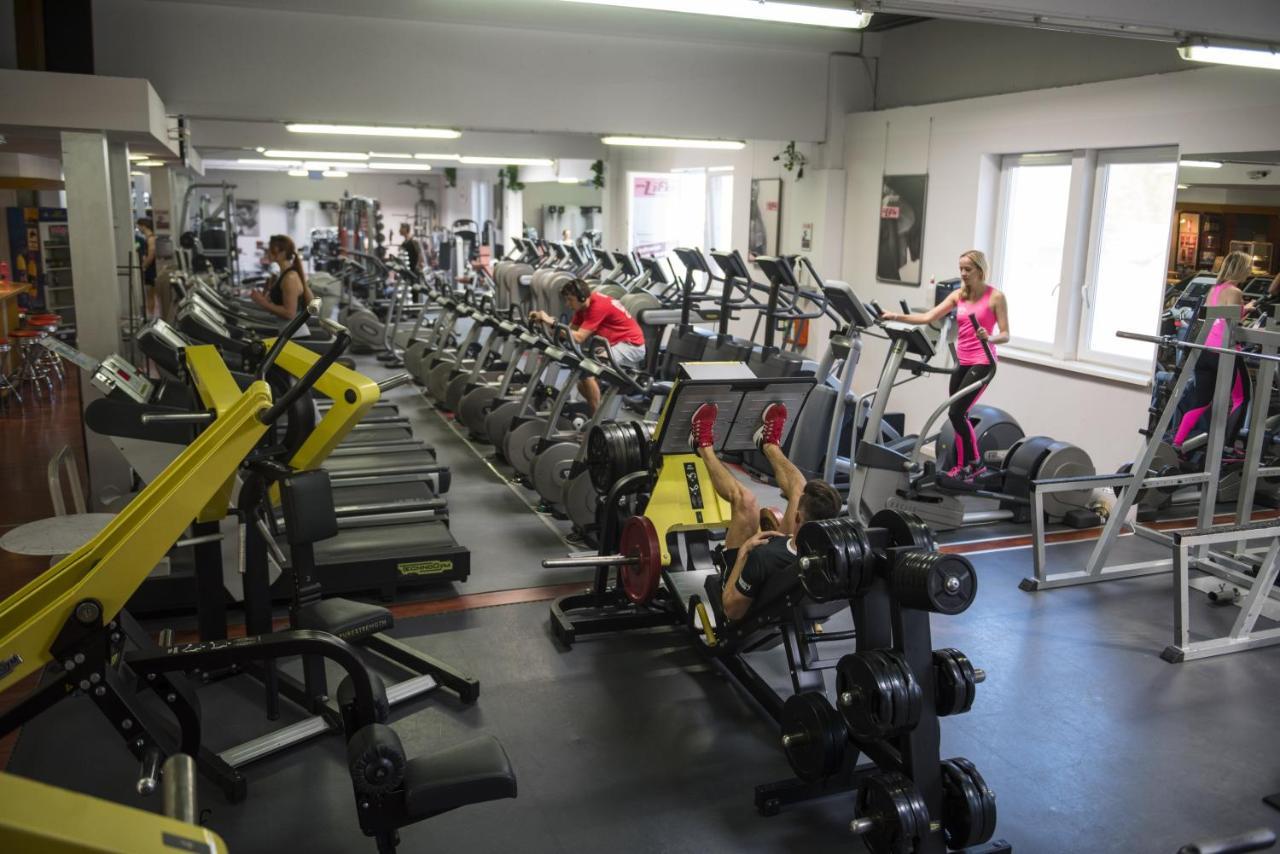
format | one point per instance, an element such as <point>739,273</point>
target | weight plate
<point>906,530</point>
<point>908,695</point>
<point>898,814</point>
<point>819,541</point>
<point>968,806</point>
<point>949,694</point>
<point>640,540</point>
<point>873,696</point>
<point>929,581</point>
<point>813,736</point>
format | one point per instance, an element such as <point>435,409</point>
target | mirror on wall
<point>1226,202</point>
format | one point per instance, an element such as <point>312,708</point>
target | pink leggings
<point>1201,396</point>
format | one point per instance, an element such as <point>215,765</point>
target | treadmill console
<point>943,289</point>
<point>918,344</point>
<point>846,303</point>
<point>778,270</point>
<point>654,267</point>
<point>606,261</point>
<point>627,262</point>
<point>732,265</point>
<point>693,259</point>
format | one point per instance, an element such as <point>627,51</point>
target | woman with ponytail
<point>284,291</point>
<point>978,298</point>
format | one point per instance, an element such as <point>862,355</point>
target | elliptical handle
<point>290,328</point>
<point>307,380</point>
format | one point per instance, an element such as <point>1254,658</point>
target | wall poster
<point>901,228</point>
<point>246,217</point>
<point>766,217</point>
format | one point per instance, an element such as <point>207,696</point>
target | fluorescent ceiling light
<point>389,156</point>
<point>376,130</point>
<point>275,164</point>
<point>139,156</point>
<point>1201,164</point>
<point>298,173</point>
<point>334,173</point>
<point>148,163</point>
<point>780,13</point>
<point>138,174</point>
<point>508,161</point>
<point>437,157</point>
<point>1262,56</point>
<point>316,155</point>
<point>671,142</point>
<point>568,181</point>
<point>402,167</point>
<point>260,149</point>
<point>1184,186</point>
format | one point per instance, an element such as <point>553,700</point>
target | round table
<point>57,535</point>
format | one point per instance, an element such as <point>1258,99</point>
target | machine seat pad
<point>469,773</point>
<point>349,620</point>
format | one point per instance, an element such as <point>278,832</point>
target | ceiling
<point>585,18</point>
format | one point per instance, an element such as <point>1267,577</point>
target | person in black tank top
<point>147,260</point>
<point>411,247</point>
<point>758,544</point>
<point>289,288</point>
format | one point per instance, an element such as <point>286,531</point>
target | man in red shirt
<point>598,314</point>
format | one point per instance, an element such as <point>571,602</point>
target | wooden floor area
<point>31,432</point>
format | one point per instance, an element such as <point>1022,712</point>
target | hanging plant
<point>509,177</point>
<point>792,159</point>
<point>450,177</point>
<point>597,174</point>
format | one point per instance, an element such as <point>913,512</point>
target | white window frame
<point>1105,160</point>
<point>1007,164</point>
<point>1079,261</point>
<point>708,174</point>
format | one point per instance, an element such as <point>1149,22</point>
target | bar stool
<point>7,388</point>
<point>30,367</point>
<point>48,324</point>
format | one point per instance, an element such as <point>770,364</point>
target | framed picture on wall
<point>766,217</point>
<point>901,228</point>
<point>246,217</point>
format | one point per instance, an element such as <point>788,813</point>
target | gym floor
<point>632,742</point>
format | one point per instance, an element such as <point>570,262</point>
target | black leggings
<point>1199,398</point>
<point>958,412</point>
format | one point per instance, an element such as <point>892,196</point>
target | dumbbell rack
<point>907,799</point>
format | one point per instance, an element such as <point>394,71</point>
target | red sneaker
<point>772,420</point>
<point>702,427</point>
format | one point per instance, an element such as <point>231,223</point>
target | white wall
<point>956,143</point>
<point>1269,196</point>
<point>240,62</point>
<point>537,195</point>
<point>944,60</point>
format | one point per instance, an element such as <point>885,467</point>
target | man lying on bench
<point>751,554</point>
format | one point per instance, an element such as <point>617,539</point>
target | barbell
<point>639,562</point>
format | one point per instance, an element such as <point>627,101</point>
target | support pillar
<point>128,279</point>
<point>512,216</point>
<point>90,222</point>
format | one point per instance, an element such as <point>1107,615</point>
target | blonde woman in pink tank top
<point>1198,399</point>
<point>977,297</point>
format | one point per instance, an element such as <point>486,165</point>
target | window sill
<point>1102,372</point>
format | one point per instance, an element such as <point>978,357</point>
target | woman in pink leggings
<point>1199,397</point>
<point>977,297</point>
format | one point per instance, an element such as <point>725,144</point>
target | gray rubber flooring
<point>631,744</point>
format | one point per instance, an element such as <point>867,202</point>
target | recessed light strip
<point>314,155</point>
<point>507,161</point>
<point>1201,164</point>
<point>374,130</point>
<point>401,167</point>
<point>437,157</point>
<point>778,13</point>
<point>672,142</point>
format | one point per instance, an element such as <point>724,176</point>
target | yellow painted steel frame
<point>218,391</point>
<point>38,817</point>
<point>670,506</point>
<point>111,566</point>
<point>353,395</point>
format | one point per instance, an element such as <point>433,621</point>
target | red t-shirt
<point>606,317</point>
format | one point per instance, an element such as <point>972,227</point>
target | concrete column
<point>128,279</point>
<point>90,221</point>
<point>512,216</point>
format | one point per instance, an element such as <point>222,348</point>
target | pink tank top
<point>1219,327</point>
<point>968,348</point>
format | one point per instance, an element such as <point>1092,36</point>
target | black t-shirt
<point>764,560</point>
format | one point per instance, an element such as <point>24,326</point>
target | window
<point>1032,237</point>
<point>690,207</point>
<point>1133,203</point>
<point>1081,243</point>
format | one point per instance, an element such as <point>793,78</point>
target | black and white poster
<point>901,228</point>
<point>247,217</point>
